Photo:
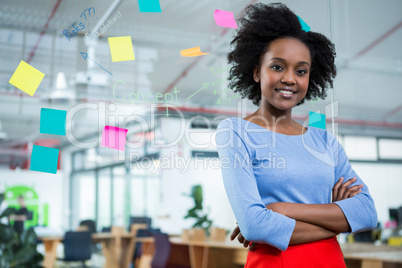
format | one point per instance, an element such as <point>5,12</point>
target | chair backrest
<point>106,229</point>
<point>77,246</point>
<point>90,224</point>
<point>162,250</point>
<point>144,220</point>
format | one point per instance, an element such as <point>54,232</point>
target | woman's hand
<point>241,239</point>
<point>342,190</point>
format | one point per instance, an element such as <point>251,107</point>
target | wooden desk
<point>118,249</point>
<point>366,255</point>
<point>198,254</point>
<point>211,254</point>
<point>50,243</point>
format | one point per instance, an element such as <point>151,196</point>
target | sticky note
<point>26,78</point>
<point>192,52</point>
<point>304,25</point>
<point>121,48</point>
<point>114,137</point>
<point>52,121</point>
<point>44,159</point>
<point>316,120</point>
<point>225,18</point>
<point>149,6</point>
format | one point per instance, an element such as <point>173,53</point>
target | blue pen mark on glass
<point>85,56</point>
<point>304,25</point>
<point>80,26</point>
<point>89,12</point>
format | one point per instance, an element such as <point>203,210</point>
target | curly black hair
<point>261,25</point>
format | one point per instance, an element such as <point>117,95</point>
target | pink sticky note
<point>114,137</point>
<point>224,18</point>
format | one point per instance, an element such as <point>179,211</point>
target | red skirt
<point>324,253</point>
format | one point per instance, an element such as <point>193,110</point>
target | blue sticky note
<point>53,121</point>
<point>44,159</point>
<point>304,25</point>
<point>316,120</point>
<point>149,6</point>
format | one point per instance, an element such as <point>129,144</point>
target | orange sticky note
<point>192,52</point>
<point>121,48</point>
<point>26,78</point>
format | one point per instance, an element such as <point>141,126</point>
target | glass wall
<point>118,193</point>
<point>104,196</point>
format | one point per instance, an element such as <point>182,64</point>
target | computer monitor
<point>399,220</point>
<point>393,214</point>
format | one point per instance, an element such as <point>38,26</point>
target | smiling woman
<point>287,213</point>
<point>140,97</point>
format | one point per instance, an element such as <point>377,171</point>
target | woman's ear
<point>256,74</point>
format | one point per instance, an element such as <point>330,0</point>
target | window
<point>360,148</point>
<point>390,148</point>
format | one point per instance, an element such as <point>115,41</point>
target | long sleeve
<point>256,223</point>
<point>359,210</point>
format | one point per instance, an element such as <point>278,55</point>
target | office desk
<point>211,254</point>
<point>366,255</point>
<point>198,254</point>
<point>118,249</point>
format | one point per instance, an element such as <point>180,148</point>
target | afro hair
<point>261,25</point>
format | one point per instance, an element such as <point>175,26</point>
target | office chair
<point>90,224</point>
<point>77,247</point>
<point>162,251</point>
<point>145,220</point>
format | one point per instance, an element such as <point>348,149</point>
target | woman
<point>278,175</point>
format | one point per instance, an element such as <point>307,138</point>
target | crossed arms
<point>313,221</point>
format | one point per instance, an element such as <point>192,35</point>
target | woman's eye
<point>301,72</point>
<point>276,67</point>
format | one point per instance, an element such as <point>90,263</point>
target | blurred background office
<point>171,106</point>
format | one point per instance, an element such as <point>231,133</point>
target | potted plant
<point>196,212</point>
<point>17,250</point>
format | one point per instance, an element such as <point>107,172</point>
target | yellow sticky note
<point>26,78</point>
<point>192,52</point>
<point>121,48</point>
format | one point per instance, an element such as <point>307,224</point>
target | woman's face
<point>284,73</point>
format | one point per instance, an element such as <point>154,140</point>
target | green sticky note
<point>53,121</point>
<point>149,6</point>
<point>44,159</point>
<point>316,120</point>
<point>304,25</point>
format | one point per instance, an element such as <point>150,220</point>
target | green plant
<point>202,220</point>
<point>17,250</point>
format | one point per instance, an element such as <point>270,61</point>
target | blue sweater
<point>260,167</point>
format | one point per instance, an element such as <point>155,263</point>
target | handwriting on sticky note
<point>53,121</point>
<point>121,48</point>
<point>192,52</point>
<point>44,159</point>
<point>26,78</point>
<point>149,6</point>
<point>225,18</point>
<point>114,137</point>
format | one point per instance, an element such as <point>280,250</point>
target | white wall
<point>49,188</point>
<point>385,185</point>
